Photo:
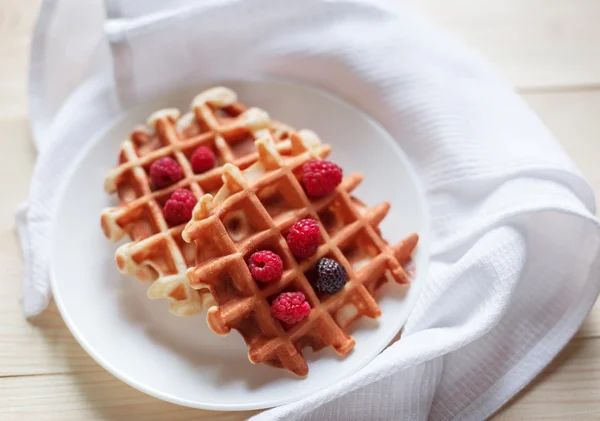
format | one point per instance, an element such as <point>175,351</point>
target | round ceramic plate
<point>179,359</point>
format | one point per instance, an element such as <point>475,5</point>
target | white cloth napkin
<point>514,267</point>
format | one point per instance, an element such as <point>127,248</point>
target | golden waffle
<point>157,253</point>
<point>266,199</point>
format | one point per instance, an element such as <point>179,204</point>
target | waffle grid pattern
<point>350,236</point>
<point>157,252</point>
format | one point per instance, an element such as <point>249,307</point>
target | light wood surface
<point>548,49</point>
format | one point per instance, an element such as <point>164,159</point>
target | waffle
<point>156,251</point>
<point>253,211</point>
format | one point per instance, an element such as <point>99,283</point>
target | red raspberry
<point>265,266</point>
<point>178,209</point>
<point>164,172</point>
<point>203,159</point>
<point>304,238</point>
<point>290,307</point>
<point>321,177</point>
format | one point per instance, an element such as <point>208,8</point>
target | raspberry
<point>265,266</point>
<point>203,159</point>
<point>164,172</point>
<point>290,307</point>
<point>304,238</point>
<point>321,177</point>
<point>331,276</point>
<point>178,209</point>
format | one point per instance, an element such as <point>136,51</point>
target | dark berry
<point>331,276</point>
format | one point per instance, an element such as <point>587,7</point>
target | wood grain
<point>536,44</point>
<point>24,348</point>
<point>91,396</point>
<point>573,118</point>
<point>568,389</point>
<point>547,48</point>
<point>17,18</point>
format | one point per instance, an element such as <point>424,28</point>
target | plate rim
<point>424,236</point>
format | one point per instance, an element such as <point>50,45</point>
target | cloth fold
<point>514,257</point>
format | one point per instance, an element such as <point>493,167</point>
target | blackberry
<point>331,276</point>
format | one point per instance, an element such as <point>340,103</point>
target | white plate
<point>179,359</point>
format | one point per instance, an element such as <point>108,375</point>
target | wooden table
<point>549,50</point>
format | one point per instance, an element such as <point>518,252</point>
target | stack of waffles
<point>156,252</point>
<point>248,203</point>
